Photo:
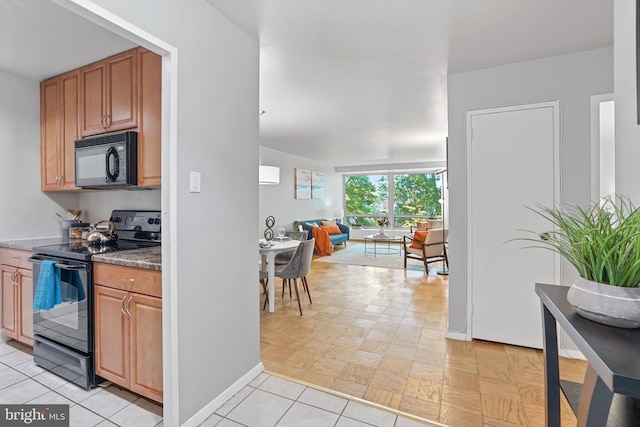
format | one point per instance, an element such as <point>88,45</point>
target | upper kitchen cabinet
<point>59,100</point>
<point>122,92</point>
<point>109,94</point>
<point>149,114</point>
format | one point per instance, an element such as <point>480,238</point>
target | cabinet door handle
<point>13,278</point>
<point>18,278</point>
<point>127,307</point>
<point>122,305</point>
<point>107,121</point>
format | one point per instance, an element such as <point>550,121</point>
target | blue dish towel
<point>48,290</point>
<point>74,291</point>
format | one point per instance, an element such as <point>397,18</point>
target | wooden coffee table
<point>382,250</point>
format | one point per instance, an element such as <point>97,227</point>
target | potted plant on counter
<point>602,242</point>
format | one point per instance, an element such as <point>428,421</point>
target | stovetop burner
<point>135,230</point>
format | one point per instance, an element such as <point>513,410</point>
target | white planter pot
<point>610,305</point>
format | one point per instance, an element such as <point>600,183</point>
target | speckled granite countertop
<point>29,244</point>
<point>147,258</point>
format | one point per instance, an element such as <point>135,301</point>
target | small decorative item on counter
<point>77,231</point>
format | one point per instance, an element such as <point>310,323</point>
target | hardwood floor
<point>378,334</point>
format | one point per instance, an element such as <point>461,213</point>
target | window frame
<point>391,215</point>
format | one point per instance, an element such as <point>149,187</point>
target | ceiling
<point>347,83</point>
<point>39,39</point>
<point>364,82</point>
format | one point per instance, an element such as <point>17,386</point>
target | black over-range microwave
<point>107,161</point>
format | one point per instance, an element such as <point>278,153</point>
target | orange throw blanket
<point>323,241</point>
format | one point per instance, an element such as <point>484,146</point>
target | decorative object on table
<point>383,223</point>
<point>303,183</point>
<point>317,185</point>
<point>281,235</point>
<point>268,233</point>
<point>338,214</point>
<point>603,243</point>
<point>265,244</point>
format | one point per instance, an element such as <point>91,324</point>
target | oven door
<point>70,322</point>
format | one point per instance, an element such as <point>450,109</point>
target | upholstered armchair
<point>432,249</point>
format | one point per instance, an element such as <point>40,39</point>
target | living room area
<point>377,332</point>
<point>402,337</point>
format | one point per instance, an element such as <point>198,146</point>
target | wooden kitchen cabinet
<point>109,94</point>
<point>150,114</point>
<point>16,281</point>
<point>122,92</point>
<point>128,322</point>
<point>59,103</point>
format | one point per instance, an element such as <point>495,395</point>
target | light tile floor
<point>22,381</point>
<point>267,401</point>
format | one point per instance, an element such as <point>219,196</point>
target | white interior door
<point>513,163</point>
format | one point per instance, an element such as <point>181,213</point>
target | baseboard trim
<point>460,336</point>
<point>571,354</point>
<point>209,409</point>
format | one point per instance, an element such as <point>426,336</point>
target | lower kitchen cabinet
<point>17,295</point>
<point>129,328</point>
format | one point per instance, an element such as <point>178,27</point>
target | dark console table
<point>610,395</point>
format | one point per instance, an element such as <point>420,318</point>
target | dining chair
<point>264,281</point>
<point>298,268</point>
<point>285,257</point>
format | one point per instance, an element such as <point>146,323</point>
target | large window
<point>404,199</point>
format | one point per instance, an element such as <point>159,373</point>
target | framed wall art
<point>317,185</point>
<point>303,183</point>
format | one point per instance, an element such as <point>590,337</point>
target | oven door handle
<point>58,265</point>
<point>70,267</point>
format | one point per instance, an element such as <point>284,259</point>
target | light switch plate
<point>194,182</point>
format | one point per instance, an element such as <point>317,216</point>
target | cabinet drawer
<point>148,282</point>
<point>15,258</point>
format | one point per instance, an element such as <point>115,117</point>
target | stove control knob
<point>157,221</point>
<point>150,221</point>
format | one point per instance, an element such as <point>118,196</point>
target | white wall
<point>215,307</point>
<point>627,130</point>
<point>279,200</point>
<point>24,211</point>
<point>97,205</point>
<point>572,79</point>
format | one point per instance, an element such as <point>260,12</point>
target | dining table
<point>268,254</point>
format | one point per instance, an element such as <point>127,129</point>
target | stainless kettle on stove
<point>102,233</point>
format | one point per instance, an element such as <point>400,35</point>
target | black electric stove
<point>135,230</point>
<point>63,340</point>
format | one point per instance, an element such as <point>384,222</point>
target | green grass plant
<point>602,241</point>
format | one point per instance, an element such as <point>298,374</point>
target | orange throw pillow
<point>421,236</point>
<point>331,229</point>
